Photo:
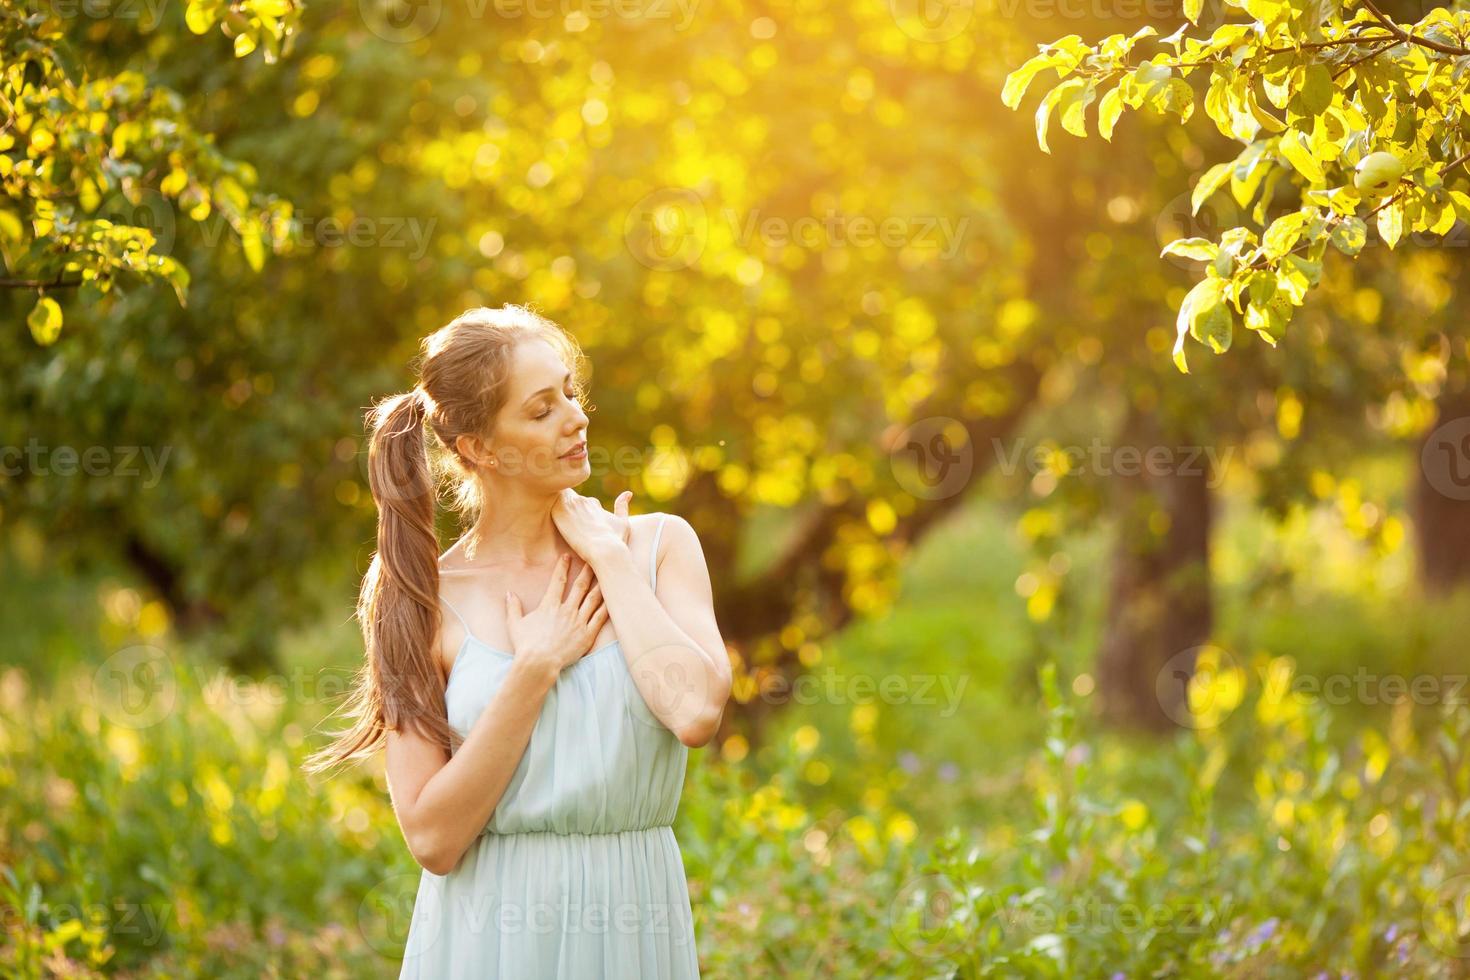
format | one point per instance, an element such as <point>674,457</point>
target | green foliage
<point>1362,118</point>
<point>1261,845</point>
<point>82,148</point>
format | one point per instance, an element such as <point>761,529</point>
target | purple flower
<point>948,772</point>
<point>909,762</point>
<point>1264,931</point>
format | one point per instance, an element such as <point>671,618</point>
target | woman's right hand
<point>558,631</point>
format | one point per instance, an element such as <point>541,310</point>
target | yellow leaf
<point>45,321</point>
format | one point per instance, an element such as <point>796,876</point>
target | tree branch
<point>57,283</point>
<point>1409,36</point>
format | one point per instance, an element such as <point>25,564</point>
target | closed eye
<point>570,396</point>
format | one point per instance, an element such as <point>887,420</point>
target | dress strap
<point>457,616</point>
<point>653,555</point>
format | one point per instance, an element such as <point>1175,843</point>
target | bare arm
<point>675,652</point>
<point>444,802</point>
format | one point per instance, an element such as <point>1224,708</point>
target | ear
<point>472,448</point>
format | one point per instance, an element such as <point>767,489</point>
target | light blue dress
<point>577,874</point>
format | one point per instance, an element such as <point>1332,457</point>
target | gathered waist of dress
<point>576,833</point>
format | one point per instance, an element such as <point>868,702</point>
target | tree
<point>1362,116</point>
<point>82,150</point>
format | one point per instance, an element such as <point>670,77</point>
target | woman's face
<point>540,422</point>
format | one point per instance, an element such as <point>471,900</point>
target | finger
<point>512,607</point>
<point>620,506</point>
<point>591,603</point>
<point>559,577</point>
<point>593,626</point>
<point>579,587</point>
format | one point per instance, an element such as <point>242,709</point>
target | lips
<point>576,451</point>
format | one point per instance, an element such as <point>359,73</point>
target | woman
<point>534,758</point>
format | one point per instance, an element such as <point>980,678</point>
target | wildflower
<point>1264,931</point>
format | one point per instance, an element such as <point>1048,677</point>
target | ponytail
<point>399,686</point>
<point>463,381</point>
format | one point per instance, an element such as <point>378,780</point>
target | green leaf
<point>1043,111</point>
<point>1209,184</point>
<point>1192,248</point>
<point>1391,224</point>
<point>1192,10</point>
<point>1295,275</point>
<point>1350,234</point>
<point>1316,91</point>
<point>1268,122</point>
<point>1283,234</point>
<point>1249,169</point>
<point>1074,109</point>
<point>1108,111</point>
<point>1018,81</point>
<point>1295,148</point>
<point>1204,316</point>
<point>1269,319</point>
<point>45,321</point>
<point>250,240</point>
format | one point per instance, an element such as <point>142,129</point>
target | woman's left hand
<point>588,527</point>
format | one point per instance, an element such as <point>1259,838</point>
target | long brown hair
<point>464,372</point>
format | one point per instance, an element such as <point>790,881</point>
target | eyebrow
<point>566,377</point>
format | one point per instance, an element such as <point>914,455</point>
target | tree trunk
<point>1159,606</point>
<point>1440,503</point>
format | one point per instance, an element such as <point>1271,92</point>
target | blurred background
<point>1050,660</point>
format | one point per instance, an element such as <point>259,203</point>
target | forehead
<point>537,364</point>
